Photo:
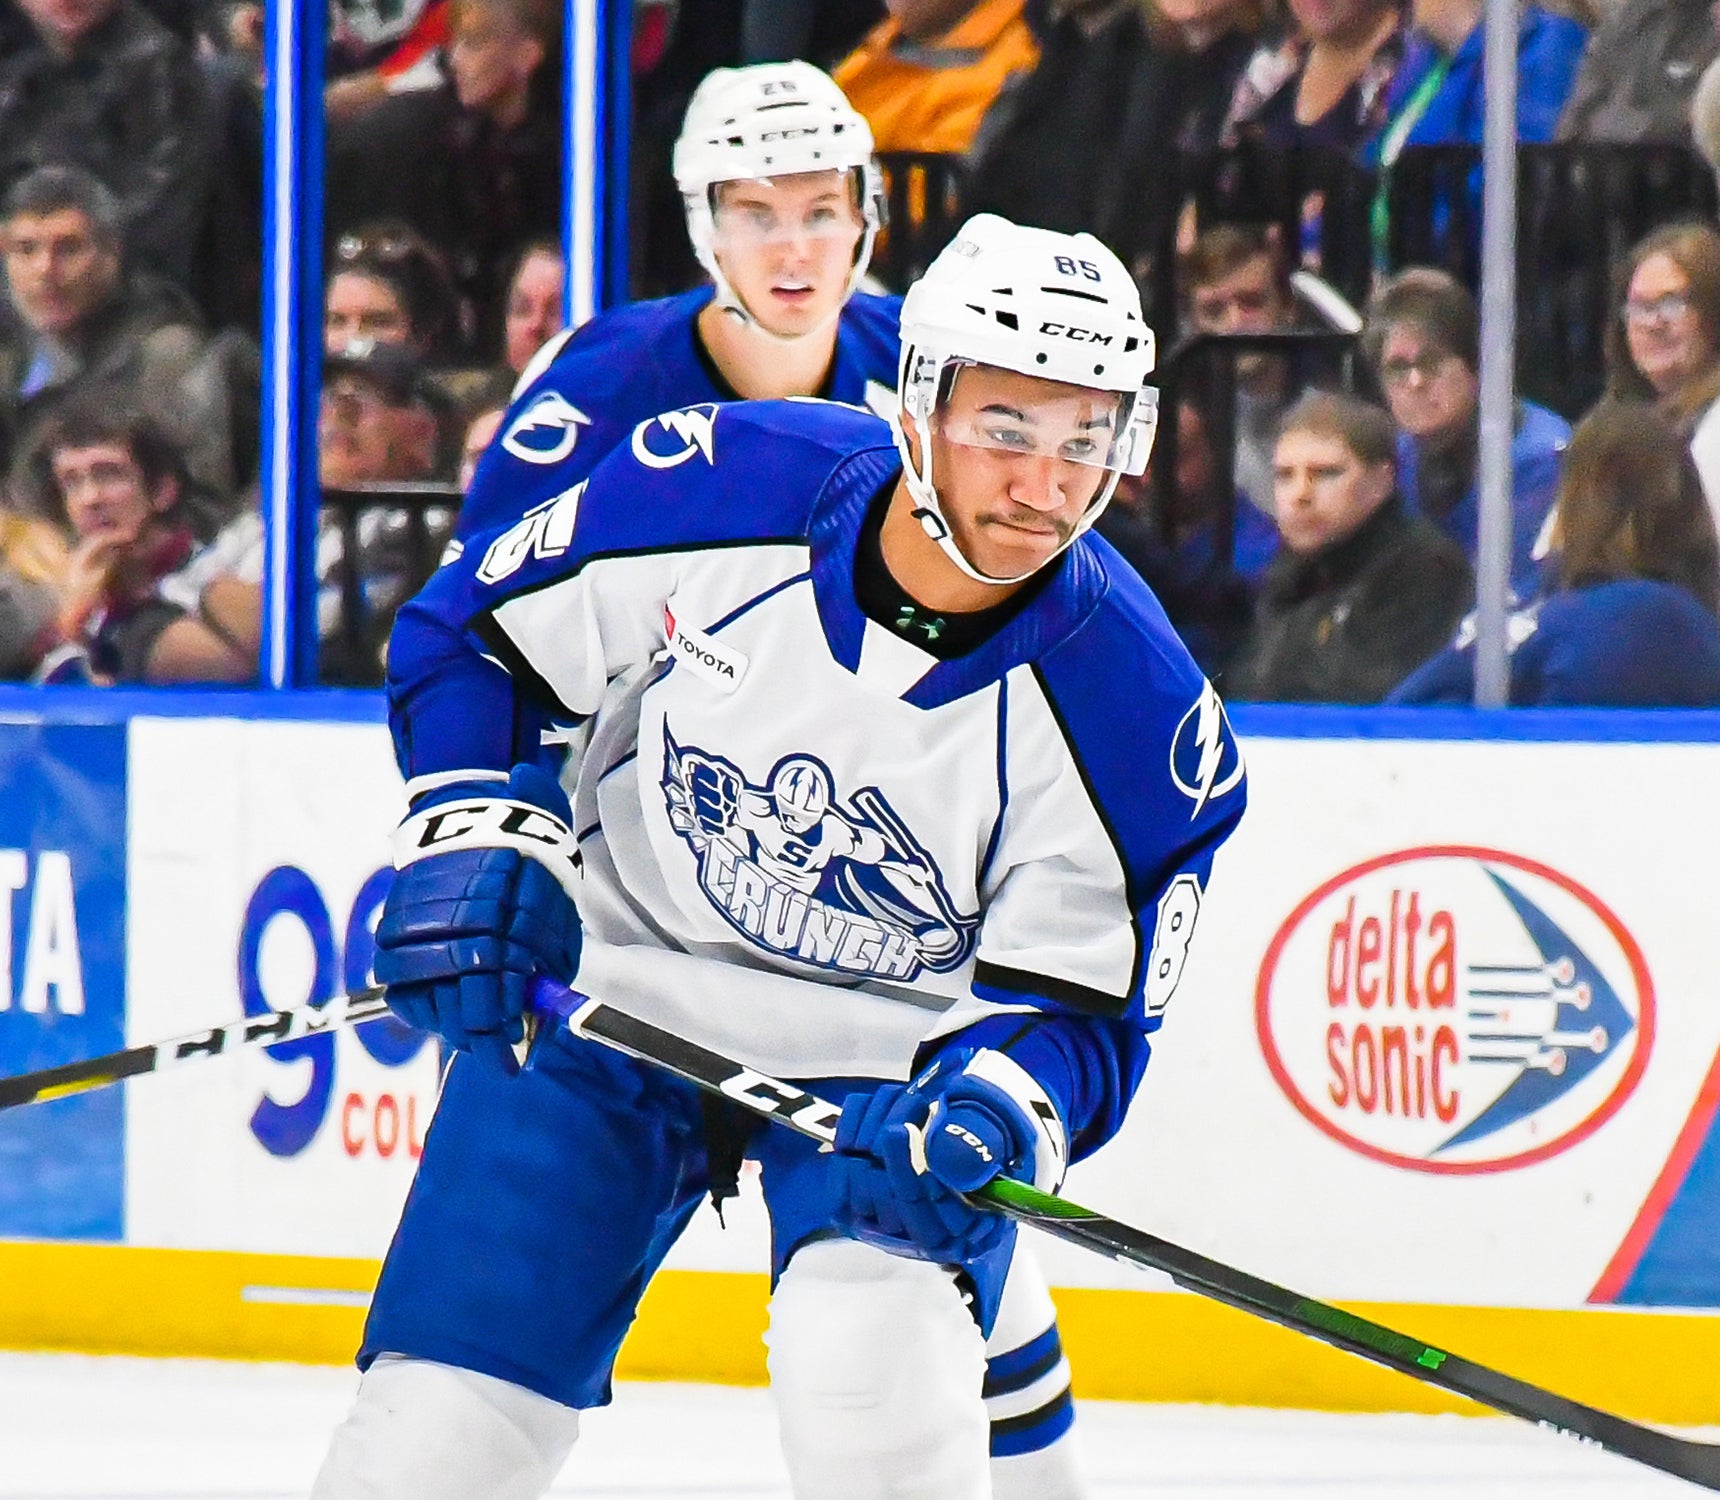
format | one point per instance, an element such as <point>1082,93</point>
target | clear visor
<point>753,212</point>
<point>1098,429</point>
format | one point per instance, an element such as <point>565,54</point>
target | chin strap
<point>929,513</point>
<point>730,305</point>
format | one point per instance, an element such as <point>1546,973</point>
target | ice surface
<point>134,1429</point>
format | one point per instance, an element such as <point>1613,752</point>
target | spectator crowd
<point>1311,517</point>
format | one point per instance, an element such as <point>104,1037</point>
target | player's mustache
<point>1034,520</point>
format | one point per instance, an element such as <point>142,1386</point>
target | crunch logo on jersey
<point>843,887</point>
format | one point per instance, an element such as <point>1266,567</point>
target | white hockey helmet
<point>771,120</point>
<point>1059,306</point>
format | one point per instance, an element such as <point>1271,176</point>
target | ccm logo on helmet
<point>1079,335</point>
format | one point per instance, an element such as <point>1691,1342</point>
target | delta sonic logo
<point>844,887</point>
<point>1455,1010</point>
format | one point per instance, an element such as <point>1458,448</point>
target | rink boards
<point>1447,1049</point>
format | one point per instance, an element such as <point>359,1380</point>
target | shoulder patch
<point>669,440</point>
<point>546,430</point>
<point>1206,761</point>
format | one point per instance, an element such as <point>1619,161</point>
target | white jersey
<point>806,842</point>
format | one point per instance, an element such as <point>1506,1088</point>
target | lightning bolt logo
<point>693,426</point>
<point>1203,738</point>
<point>550,413</point>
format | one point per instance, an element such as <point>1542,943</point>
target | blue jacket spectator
<point>1437,97</point>
<point>1537,450</point>
<point>1628,643</point>
<point>1440,78</point>
<point>1421,336</point>
<point>1631,619</point>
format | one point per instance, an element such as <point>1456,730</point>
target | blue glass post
<point>293,41</point>
<point>595,124</point>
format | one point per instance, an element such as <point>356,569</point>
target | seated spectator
<point>1235,281</point>
<point>389,284</point>
<point>1664,338</point>
<point>1422,338</point>
<point>474,165</point>
<point>1204,45</point>
<point>1638,78</point>
<point>532,315</point>
<point>383,424</point>
<point>32,565</point>
<point>126,610</point>
<point>1325,83</point>
<point>1630,620</point>
<point>1361,592</point>
<point>1202,550</point>
<point>79,319</point>
<point>926,75</point>
<point>106,87</point>
<point>1437,99</point>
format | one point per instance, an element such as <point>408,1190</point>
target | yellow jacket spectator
<point>925,76</point>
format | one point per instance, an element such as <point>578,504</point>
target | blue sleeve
<point>1446,678</point>
<point>1163,770</point>
<point>1090,1067</point>
<point>602,382</point>
<point>1630,643</point>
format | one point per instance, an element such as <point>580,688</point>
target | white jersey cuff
<point>492,823</point>
<point>1051,1140</point>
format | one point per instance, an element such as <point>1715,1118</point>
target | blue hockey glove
<point>908,1153</point>
<point>483,900</point>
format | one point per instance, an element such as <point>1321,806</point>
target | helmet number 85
<point>1067,265</point>
<point>1178,908</point>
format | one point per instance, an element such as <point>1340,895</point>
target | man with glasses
<point>1421,337</point>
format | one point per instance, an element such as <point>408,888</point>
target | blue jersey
<point>806,842</point>
<point>1627,643</point>
<point>598,383</point>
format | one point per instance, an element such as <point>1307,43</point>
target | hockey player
<point>728,603</point>
<point>783,204</point>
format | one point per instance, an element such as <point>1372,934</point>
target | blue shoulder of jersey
<point>1151,742</point>
<point>869,347</point>
<point>705,476</point>
<point>1151,737</point>
<point>610,374</point>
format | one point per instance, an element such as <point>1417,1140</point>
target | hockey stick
<point>815,1118</point>
<point>276,1026</point>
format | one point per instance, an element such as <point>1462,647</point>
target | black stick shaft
<point>806,1113</point>
<point>253,1031</point>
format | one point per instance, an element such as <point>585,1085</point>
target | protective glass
<point>748,214</point>
<point>1098,429</point>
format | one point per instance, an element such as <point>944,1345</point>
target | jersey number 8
<point>1178,908</point>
